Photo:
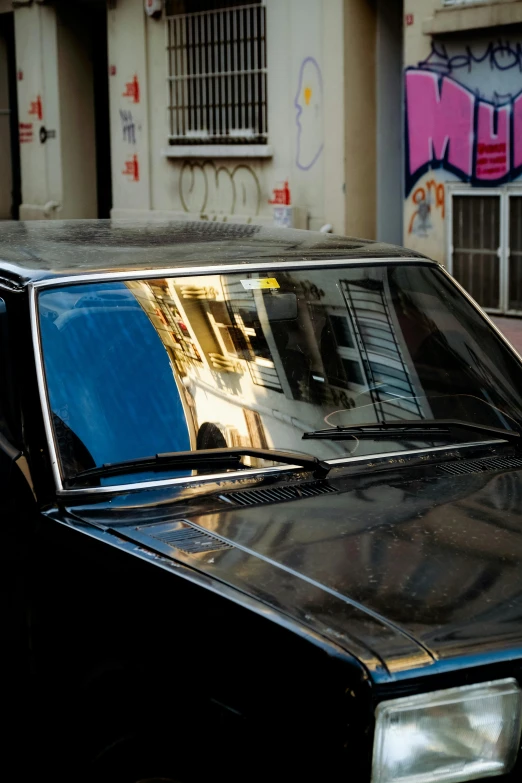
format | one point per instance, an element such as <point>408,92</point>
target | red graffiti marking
<point>26,132</point>
<point>20,76</point>
<point>423,198</point>
<point>281,195</point>
<point>37,108</point>
<point>132,90</point>
<point>132,168</point>
<point>410,19</point>
<point>112,70</point>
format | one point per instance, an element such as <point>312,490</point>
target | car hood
<point>403,572</point>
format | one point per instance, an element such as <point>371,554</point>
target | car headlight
<point>452,735</point>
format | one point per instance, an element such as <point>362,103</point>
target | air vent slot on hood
<point>251,497</point>
<point>190,540</point>
<point>480,465</point>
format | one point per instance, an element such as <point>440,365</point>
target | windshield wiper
<point>411,429</point>
<point>203,459</point>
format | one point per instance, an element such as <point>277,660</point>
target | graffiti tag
<point>26,132</point>
<point>448,126</point>
<point>309,115</point>
<point>423,199</point>
<point>36,108</point>
<point>205,187</point>
<point>132,168</point>
<point>499,55</point>
<point>128,126</point>
<point>132,90</point>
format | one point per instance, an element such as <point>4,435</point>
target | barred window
<point>462,2</point>
<point>217,72</point>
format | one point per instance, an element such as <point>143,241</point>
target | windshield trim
<point>240,266</point>
<point>36,286</point>
<point>390,456</point>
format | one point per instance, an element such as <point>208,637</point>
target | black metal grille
<point>191,540</point>
<point>476,242</point>
<point>480,465</point>
<point>217,76</point>
<point>251,497</point>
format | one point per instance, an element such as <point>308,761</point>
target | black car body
<point>238,619</point>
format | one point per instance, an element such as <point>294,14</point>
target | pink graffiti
<point>449,126</point>
<point>440,120</point>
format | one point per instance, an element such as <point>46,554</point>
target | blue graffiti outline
<point>435,163</point>
<point>299,108</point>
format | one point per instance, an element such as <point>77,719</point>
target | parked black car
<point>261,507</point>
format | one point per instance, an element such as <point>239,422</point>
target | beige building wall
<point>304,52</point>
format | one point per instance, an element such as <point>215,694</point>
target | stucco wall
<point>148,184</point>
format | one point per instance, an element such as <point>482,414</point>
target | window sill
<point>218,151</point>
<point>473,17</point>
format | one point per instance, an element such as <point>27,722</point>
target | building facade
<point>388,119</point>
<point>205,109</point>
<point>463,142</point>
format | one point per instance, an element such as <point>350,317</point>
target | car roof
<point>46,249</point>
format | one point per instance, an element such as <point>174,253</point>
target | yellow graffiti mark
<point>307,95</point>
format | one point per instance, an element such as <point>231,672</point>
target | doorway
<point>84,93</point>
<point>10,178</point>
<point>389,58</point>
<point>485,245</point>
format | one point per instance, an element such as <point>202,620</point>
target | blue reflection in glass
<point>109,377</point>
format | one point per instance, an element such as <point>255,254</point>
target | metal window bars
<point>217,76</point>
<point>447,3</point>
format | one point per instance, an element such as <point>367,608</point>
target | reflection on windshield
<point>199,362</point>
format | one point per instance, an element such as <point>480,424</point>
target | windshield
<point>257,359</point>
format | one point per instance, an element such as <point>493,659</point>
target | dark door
<point>10,183</point>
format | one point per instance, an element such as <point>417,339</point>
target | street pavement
<point>512,329</point>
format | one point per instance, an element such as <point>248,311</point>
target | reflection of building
<point>263,366</point>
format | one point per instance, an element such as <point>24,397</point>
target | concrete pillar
<point>334,115</point>
<point>128,90</point>
<point>56,114</point>
<point>360,112</point>
<point>38,107</point>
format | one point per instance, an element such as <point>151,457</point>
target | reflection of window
<point>341,331</point>
<point>352,371</point>
<point>340,357</point>
<point>256,338</point>
<point>241,335</point>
